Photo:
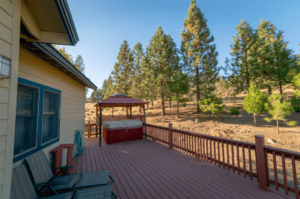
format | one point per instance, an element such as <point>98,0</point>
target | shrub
<point>234,111</point>
<point>92,111</point>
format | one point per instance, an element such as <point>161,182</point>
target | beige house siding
<point>72,113</point>
<point>5,49</point>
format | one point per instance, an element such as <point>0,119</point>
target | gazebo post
<point>130,112</point>
<point>145,121</point>
<point>100,137</point>
<point>96,121</point>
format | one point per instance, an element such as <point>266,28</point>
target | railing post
<point>89,129</point>
<point>170,136</point>
<point>261,162</point>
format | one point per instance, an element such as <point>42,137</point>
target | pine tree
<point>296,96</point>
<point>243,55</point>
<point>254,101</point>
<point>136,90</point>
<point>157,57</point>
<point>173,63</point>
<point>123,70</point>
<point>279,110</point>
<point>104,86</point>
<point>109,89</point>
<point>79,63</point>
<point>148,76</point>
<point>179,87</point>
<point>284,61</point>
<point>199,54</point>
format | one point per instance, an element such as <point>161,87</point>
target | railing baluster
<point>244,161</point>
<point>219,153</point>
<point>228,156</point>
<point>238,158</point>
<point>275,170</point>
<point>207,149</point>
<point>284,174</point>
<point>223,154</point>
<point>215,151</point>
<point>295,176</point>
<point>199,147</point>
<point>232,151</point>
<point>267,165</point>
<point>211,157</point>
<point>250,162</point>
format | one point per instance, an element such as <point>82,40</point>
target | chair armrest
<point>44,184</point>
<point>62,169</point>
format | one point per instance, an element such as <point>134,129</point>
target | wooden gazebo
<point>117,100</point>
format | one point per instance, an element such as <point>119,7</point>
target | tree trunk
<point>170,104</point>
<point>152,103</point>
<point>140,109</point>
<point>198,88</point>
<point>280,88</point>
<point>277,126</point>
<point>112,111</point>
<point>270,90</point>
<point>178,109</point>
<point>122,108</point>
<point>254,114</point>
<point>163,103</point>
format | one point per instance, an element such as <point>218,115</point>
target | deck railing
<point>91,129</point>
<point>248,159</point>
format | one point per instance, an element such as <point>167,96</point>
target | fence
<point>248,159</point>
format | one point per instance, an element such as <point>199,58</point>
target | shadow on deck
<point>147,169</point>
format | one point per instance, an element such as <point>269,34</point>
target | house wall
<point>72,113</point>
<point>9,47</point>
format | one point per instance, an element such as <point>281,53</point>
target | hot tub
<point>122,131</point>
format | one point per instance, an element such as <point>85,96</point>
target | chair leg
<point>114,195</point>
<point>112,180</point>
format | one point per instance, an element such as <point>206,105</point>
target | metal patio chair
<point>44,180</point>
<point>22,187</point>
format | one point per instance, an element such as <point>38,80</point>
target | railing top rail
<point>159,127</point>
<point>252,145</point>
<point>284,151</point>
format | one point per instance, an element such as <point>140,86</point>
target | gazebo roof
<point>120,100</point>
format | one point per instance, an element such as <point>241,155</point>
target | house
<point>42,95</point>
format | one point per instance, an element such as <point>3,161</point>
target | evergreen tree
<point>123,70</point>
<point>136,90</point>
<point>199,54</point>
<point>79,63</point>
<point>104,86</point>
<point>109,89</point>
<point>254,101</point>
<point>158,59</point>
<point>296,96</point>
<point>243,55</point>
<point>179,87</point>
<point>149,79</point>
<point>173,63</point>
<point>279,110</point>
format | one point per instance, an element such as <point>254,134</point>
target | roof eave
<point>55,55</point>
<point>63,8</point>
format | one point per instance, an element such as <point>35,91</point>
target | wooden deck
<point>147,169</point>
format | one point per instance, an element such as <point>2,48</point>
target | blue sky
<point>103,25</point>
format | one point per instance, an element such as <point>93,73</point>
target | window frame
<point>58,116</point>
<point>37,119</point>
<point>39,146</point>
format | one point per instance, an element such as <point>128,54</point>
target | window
<point>37,118</point>
<point>50,117</point>
<point>26,119</point>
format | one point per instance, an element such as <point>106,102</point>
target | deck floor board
<point>147,169</point>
